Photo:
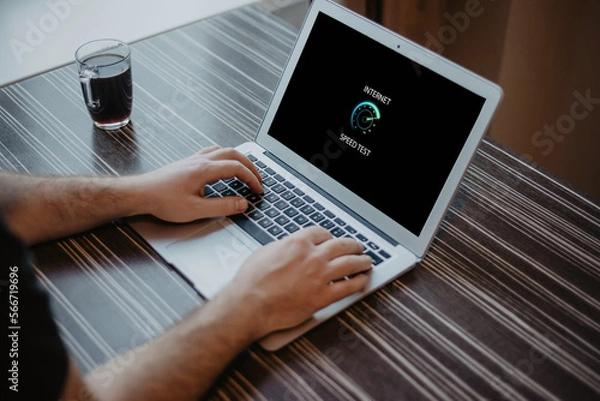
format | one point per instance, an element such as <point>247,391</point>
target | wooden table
<point>506,305</point>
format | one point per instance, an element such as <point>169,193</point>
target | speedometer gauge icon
<point>365,117</point>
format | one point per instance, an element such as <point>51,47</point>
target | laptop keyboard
<point>284,209</point>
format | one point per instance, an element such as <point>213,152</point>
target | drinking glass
<point>105,75</point>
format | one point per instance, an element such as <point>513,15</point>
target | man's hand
<point>176,192</point>
<point>285,282</point>
<point>39,208</point>
<point>279,286</point>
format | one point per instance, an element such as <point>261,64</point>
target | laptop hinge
<point>332,199</point>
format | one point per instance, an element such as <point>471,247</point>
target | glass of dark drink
<point>105,76</point>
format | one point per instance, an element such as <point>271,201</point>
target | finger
<point>347,266</point>
<point>208,150</point>
<point>342,246</point>
<point>225,206</point>
<point>232,168</point>
<point>343,288</point>
<point>233,154</point>
<point>317,235</point>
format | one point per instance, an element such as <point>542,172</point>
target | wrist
<point>241,313</point>
<point>134,195</point>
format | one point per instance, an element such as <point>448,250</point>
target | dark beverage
<point>108,91</point>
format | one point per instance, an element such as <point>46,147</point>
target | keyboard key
<point>307,210</point>
<point>291,228</point>
<point>338,232</point>
<point>252,229</point>
<point>373,245</point>
<point>297,202</point>
<point>236,184</point>
<point>281,204</point>
<point>361,237</point>
<point>329,214</point>
<point>219,186</point>
<point>244,191</point>
<point>278,188</point>
<point>275,231</point>
<point>287,195</point>
<point>317,217</point>
<point>253,198</point>
<point>327,224</point>
<point>271,197</point>
<point>384,254</point>
<point>376,259</point>
<point>265,223</point>
<point>301,219</point>
<point>208,191</point>
<point>282,220</point>
<point>256,215</point>
<point>269,181</point>
<point>339,222</point>
<point>290,212</point>
<point>262,205</point>
<point>272,212</point>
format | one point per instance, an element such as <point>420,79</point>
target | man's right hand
<point>285,282</point>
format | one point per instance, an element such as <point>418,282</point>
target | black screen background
<point>417,140</point>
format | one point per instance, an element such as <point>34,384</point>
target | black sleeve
<point>34,358</point>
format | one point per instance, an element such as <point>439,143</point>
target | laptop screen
<point>385,127</point>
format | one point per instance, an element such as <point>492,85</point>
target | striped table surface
<point>506,304</point>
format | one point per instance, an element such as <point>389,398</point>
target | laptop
<point>368,135</point>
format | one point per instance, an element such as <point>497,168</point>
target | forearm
<point>39,208</point>
<point>182,364</point>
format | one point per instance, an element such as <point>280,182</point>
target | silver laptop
<point>367,134</point>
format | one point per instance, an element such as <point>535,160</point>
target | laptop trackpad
<point>211,256</point>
